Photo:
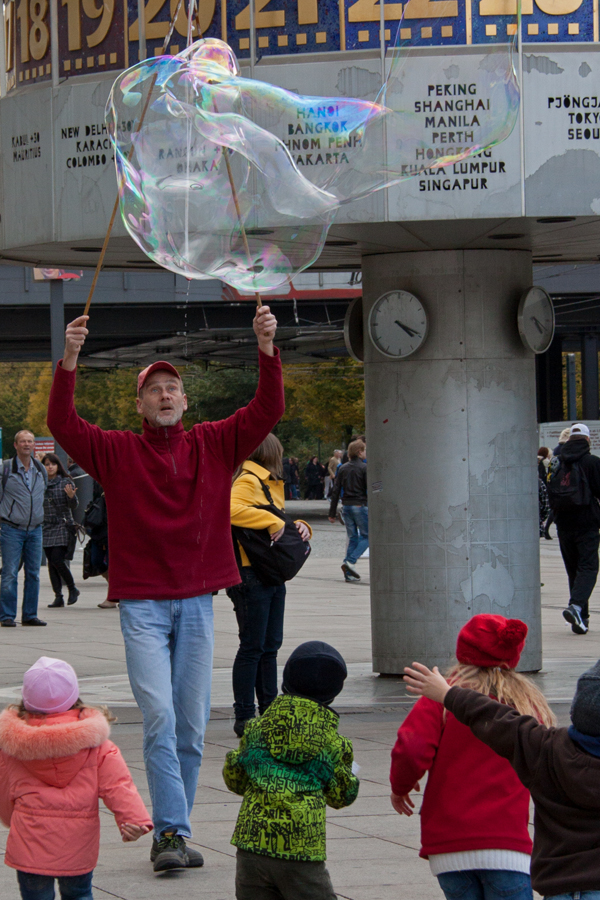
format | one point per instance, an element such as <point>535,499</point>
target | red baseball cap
<point>154,367</point>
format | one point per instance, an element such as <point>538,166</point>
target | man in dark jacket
<point>577,528</point>
<point>351,478</point>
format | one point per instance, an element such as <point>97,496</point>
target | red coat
<point>168,490</point>
<point>473,799</point>
<point>53,769</point>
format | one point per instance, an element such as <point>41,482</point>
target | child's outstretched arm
<point>426,682</point>
<point>342,789</point>
<point>119,793</point>
<point>519,739</point>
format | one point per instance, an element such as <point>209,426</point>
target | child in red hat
<point>475,811</point>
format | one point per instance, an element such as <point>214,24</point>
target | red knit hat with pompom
<point>489,641</point>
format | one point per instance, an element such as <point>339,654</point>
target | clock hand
<point>410,331</point>
<point>538,324</point>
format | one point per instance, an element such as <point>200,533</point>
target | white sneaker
<point>573,616</point>
<point>350,569</point>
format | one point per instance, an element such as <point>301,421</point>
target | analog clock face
<point>536,319</point>
<point>398,324</point>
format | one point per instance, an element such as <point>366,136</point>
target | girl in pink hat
<point>475,811</point>
<point>55,762</point>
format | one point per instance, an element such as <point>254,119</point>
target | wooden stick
<point>226,152</point>
<point>111,223</point>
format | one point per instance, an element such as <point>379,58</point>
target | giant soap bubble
<point>209,190</point>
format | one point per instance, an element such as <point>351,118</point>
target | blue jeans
<point>17,544</point>
<point>576,895</point>
<point>259,611</point>
<point>486,884</point>
<point>356,520</point>
<point>169,652</point>
<point>41,887</point>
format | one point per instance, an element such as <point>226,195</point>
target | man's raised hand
<point>265,326</point>
<point>75,336</point>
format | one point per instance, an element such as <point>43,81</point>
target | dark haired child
<point>290,764</point>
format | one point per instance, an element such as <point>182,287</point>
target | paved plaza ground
<point>372,852</point>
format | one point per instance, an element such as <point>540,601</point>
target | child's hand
<point>402,802</point>
<point>131,832</point>
<point>426,683</point>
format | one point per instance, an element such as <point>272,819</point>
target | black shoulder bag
<point>273,562</point>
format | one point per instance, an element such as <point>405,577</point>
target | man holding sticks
<point>167,493</point>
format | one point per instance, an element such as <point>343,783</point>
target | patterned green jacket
<point>290,763</point>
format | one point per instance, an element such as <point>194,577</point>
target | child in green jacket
<point>290,764</point>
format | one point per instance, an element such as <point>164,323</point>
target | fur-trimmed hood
<point>52,747</point>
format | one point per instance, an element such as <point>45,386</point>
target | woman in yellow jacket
<point>259,608</point>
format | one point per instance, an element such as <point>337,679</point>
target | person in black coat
<point>577,527</point>
<point>314,474</point>
<point>57,530</point>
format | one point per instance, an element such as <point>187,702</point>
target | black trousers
<point>580,555</point>
<point>260,877</point>
<point>58,570</point>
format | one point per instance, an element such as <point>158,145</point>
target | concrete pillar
<point>451,444</point>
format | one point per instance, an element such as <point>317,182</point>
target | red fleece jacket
<point>168,490</point>
<point>473,799</point>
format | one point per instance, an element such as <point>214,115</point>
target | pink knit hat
<point>50,686</point>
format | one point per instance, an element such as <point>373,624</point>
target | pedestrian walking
<point>562,440</point>
<point>332,467</point>
<point>543,507</point>
<point>351,479</point>
<point>22,491</point>
<point>295,477</point>
<point>475,812</point>
<point>574,491</point>
<point>168,494</point>
<point>290,765</point>
<point>287,477</point>
<point>544,456</point>
<point>259,607</point>
<point>560,766</point>
<point>314,475</point>
<point>58,530</point>
<point>56,761</point>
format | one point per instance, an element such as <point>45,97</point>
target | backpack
<point>568,487</point>
<point>94,517</point>
<point>12,464</point>
<point>273,562</point>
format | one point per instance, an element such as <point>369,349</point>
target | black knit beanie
<point>585,709</point>
<point>315,670</point>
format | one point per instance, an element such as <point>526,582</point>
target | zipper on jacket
<point>170,451</point>
<point>35,475</point>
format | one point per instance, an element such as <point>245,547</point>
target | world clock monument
<point>446,256</point>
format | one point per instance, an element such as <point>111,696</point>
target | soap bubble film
<point>209,189</point>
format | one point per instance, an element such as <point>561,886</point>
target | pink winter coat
<point>52,771</point>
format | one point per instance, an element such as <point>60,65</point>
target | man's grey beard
<point>165,419</point>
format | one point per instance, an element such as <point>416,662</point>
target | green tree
<point>17,381</point>
<point>328,398</point>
